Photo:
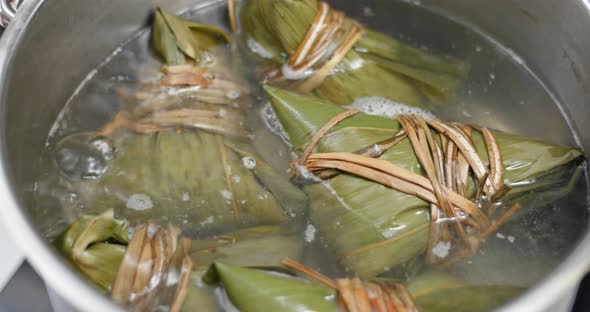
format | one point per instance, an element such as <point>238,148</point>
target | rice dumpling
<point>259,247</point>
<point>256,290</point>
<point>180,150</point>
<point>386,227</point>
<point>310,46</point>
<point>438,291</point>
<point>96,246</point>
<point>159,267</point>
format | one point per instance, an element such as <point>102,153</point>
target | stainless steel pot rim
<point>78,292</point>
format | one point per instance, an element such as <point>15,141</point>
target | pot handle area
<point>8,11</point>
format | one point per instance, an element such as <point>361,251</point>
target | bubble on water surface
<point>375,105</point>
<point>139,202</point>
<point>249,162</point>
<point>83,156</point>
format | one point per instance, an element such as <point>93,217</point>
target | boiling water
<point>500,93</point>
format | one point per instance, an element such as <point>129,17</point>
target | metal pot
<point>52,45</point>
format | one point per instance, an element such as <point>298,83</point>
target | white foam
<point>309,234</point>
<point>185,196</point>
<point>209,220</point>
<point>172,278</point>
<point>222,113</point>
<point>291,74</point>
<point>226,194</point>
<point>232,94</point>
<point>139,202</point>
<point>306,174</point>
<point>257,48</point>
<point>375,105</point>
<point>179,91</point>
<point>511,238</point>
<point>262,196</point>
<point>249,162</point>
<point>273,123</point>
<point>207,58</point>
<point>414,2</point>
<point>442,249</point>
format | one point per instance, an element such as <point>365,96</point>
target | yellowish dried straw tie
<point>328,39</point>
<point>146,264</point>
<point>355,295</point>
<point>454,217</point>
<point>158,111</point>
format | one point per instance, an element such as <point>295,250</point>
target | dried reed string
<point>324,129</point>
<point>320,134</point>
<point>374,151</point>
<point>144,267</point>
<point>422,141</point>
<point>357,295</point>
<point>445,187</point>
<point>159,109</point>
<point>328,39</point>
<point>231,10</point>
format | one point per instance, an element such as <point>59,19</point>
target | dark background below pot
<point>26,292</point>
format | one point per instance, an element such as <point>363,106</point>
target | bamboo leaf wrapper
<point>182,178</point>
<point>254,290</point>
<point>96,245</point>
<point>384,227</point>
<point>177,39</point>
<point>378,65</point>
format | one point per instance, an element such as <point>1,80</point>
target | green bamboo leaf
<point>437,77</point>
<point>169,181</point>
<point>439,88</point>
<point>262,246</point>
<point>292,199</point>
<point>164,42</point>
<point>384,46</point>
<point>199,296</point>
<point>96,245</point>
<point>431,281</point>
<point>467,299</point>
<point>250,290</point>
<point>385,227</point>
<point>258,40</point>
<point>288,104</point>
<point>440,292</point>
<point>97,229</point>
<point>191,38</point>
<point>253,290</point>
<point>100,263</point>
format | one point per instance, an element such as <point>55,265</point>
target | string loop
<point>330,36</point>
